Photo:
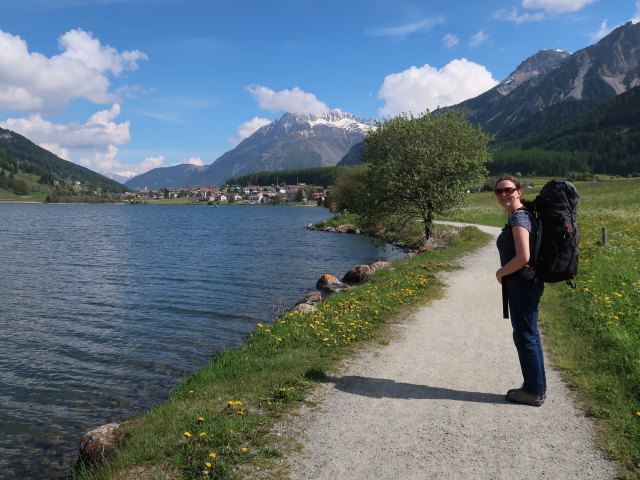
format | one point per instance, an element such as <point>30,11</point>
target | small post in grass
<point>604,236</point>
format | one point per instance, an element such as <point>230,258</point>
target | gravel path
<point>431,404</point>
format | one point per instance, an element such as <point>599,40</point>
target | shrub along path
<point>431,404</point>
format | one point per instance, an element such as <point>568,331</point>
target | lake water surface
<point>104,308</point>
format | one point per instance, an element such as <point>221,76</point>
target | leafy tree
<point>47,179</point>
<point>349,190</point>
<point>421,167</point>
<point>19,187</point>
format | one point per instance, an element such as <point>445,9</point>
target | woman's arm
<point>521,242</point>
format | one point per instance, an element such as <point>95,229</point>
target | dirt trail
<point>431,404</point>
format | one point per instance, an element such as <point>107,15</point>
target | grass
<point>218,422</point>
<point>594,331</point>
<point>38,193</point>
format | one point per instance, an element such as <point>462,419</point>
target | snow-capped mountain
<point>120,177</point>
<point>289,142</point>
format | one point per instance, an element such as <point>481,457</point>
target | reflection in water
<point>103,309</point>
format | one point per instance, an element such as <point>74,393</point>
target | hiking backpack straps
<point>556,252</point>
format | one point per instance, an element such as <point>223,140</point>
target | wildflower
<point>260,325</point>
<point>208,464</point>
<point>203,434</point>
<point>201,418</point>
<point>239,412</point>
<point>213,455</point>
<point>191,391</point>
<point>187,434</point>
<point>244,449</point>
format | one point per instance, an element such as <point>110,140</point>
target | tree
<point>420,167</point>
<point>349,190</point>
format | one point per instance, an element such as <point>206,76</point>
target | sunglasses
<point>508,190</point>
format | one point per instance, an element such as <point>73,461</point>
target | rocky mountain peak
<point>539,63</point>
<point>331,119</point>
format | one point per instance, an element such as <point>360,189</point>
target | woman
<point>515,245</point>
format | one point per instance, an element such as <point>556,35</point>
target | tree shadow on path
<point>387,388</point>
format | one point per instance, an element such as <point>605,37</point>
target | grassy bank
<point>219,422</point>
<point>594,331</point>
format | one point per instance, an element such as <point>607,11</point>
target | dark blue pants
<point>523,306</point>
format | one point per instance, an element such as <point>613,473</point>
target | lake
<point>105,308</point>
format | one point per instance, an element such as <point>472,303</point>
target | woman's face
<point>506,193</point>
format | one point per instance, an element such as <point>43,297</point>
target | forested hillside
<point>324,176</point>
<point>22,152</point>
<point>605,139</point>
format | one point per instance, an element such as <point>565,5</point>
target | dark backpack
<point>555,256</point>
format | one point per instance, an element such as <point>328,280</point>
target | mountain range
<point>552,78</point>
<point>546,92</point>
<point>291,141</point>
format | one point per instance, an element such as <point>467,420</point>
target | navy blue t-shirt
<point>505,244</point>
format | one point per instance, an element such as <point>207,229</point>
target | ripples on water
<point>103,309</point>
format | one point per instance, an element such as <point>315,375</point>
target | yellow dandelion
<point>240,412</point>
<point>208,464</point>
<point>244,449</point>
<point>187,434</point>
<point>201,418</point>
<point>213,455</point>
<point>203,434</point>
<point>260,325</point>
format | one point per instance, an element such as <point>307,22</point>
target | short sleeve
<point>521,218</point>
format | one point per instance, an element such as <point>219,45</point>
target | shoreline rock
<point>100,444</point>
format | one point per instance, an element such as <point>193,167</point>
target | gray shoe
<point>518,395</point>
<point>510,392</point>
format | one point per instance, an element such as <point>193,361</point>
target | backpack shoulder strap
<point>538,226</point>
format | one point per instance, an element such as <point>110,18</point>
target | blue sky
<point>130,85</point>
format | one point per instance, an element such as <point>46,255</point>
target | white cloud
<point>404,30</point>
<point>542,10</point>
<point>293,101</point>
<point>450,40</point>
<point>517,17</point>
<point>32,82</point>
<point>478,39</point>
<point>98,132</point>
<point>247,128</point>
<point>418,89</point>
<point>556,6</point>
<point>103,161</point>
<point>197,161</point>
<point>99,135</point>
<point>149,163</point>
<point>604,30</point>
<point>636,16</point>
